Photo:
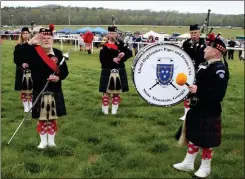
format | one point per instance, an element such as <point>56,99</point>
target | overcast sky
<point>217,7</point>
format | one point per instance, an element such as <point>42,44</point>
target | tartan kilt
<point>203,130</point>
<point>104,79</point>
<point>60,105</point>
<point>18,79</point>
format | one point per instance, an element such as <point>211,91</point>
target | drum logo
<point>165,73</point>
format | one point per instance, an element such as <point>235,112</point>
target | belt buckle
<point>193,101</point>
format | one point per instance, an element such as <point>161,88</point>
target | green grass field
<point>136,143</point>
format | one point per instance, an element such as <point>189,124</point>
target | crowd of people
<point>132,39</point>
<point>232,43</point>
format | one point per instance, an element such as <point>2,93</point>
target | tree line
<point>59,15</point>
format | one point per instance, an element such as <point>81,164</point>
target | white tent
<point>160,36</point>
<point>187,35</point>
<point>17,30</point>
<point>151,33</point>
<point>184,36</point>
<point>166,35</point>
<point>36,29</point>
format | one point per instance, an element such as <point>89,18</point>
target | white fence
<point>75,37</point>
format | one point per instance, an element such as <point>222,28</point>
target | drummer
<point>202,129</point>
<point>136,38</point>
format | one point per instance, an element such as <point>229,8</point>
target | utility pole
<point>69,14</point>
<point>12,22</point>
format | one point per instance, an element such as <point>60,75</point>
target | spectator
<point>88,39</point>
<point>81,42</point>
<point>232,44</point>
<point>104,39</point>
<point>96,38</point>
<point>241,52</point>
<point>150,39</point>
<point>136,38</point>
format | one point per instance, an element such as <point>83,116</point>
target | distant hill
<point>50,6</point>
<point>59,15</point>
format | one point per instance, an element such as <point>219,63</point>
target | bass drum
<point>154,72</point>
<point>138,55</point>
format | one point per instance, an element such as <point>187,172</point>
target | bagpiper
<point>194,47</point>
<point>113,79</point>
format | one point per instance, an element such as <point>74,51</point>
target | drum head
<point>155,74</point>
<point>141,51</point>
<point>137,57</point>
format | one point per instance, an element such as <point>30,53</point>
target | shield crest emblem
<point>165,73</point>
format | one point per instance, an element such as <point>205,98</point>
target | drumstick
<point>174,86</point>
<point>181,79</point>
<point>158,83</point>
<point>154,85</point>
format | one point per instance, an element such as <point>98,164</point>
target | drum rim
<point>153,44</point>
<point>140,53</point>
<point>143,49</point>
<point>159,105</point>
<point>174,104</point>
